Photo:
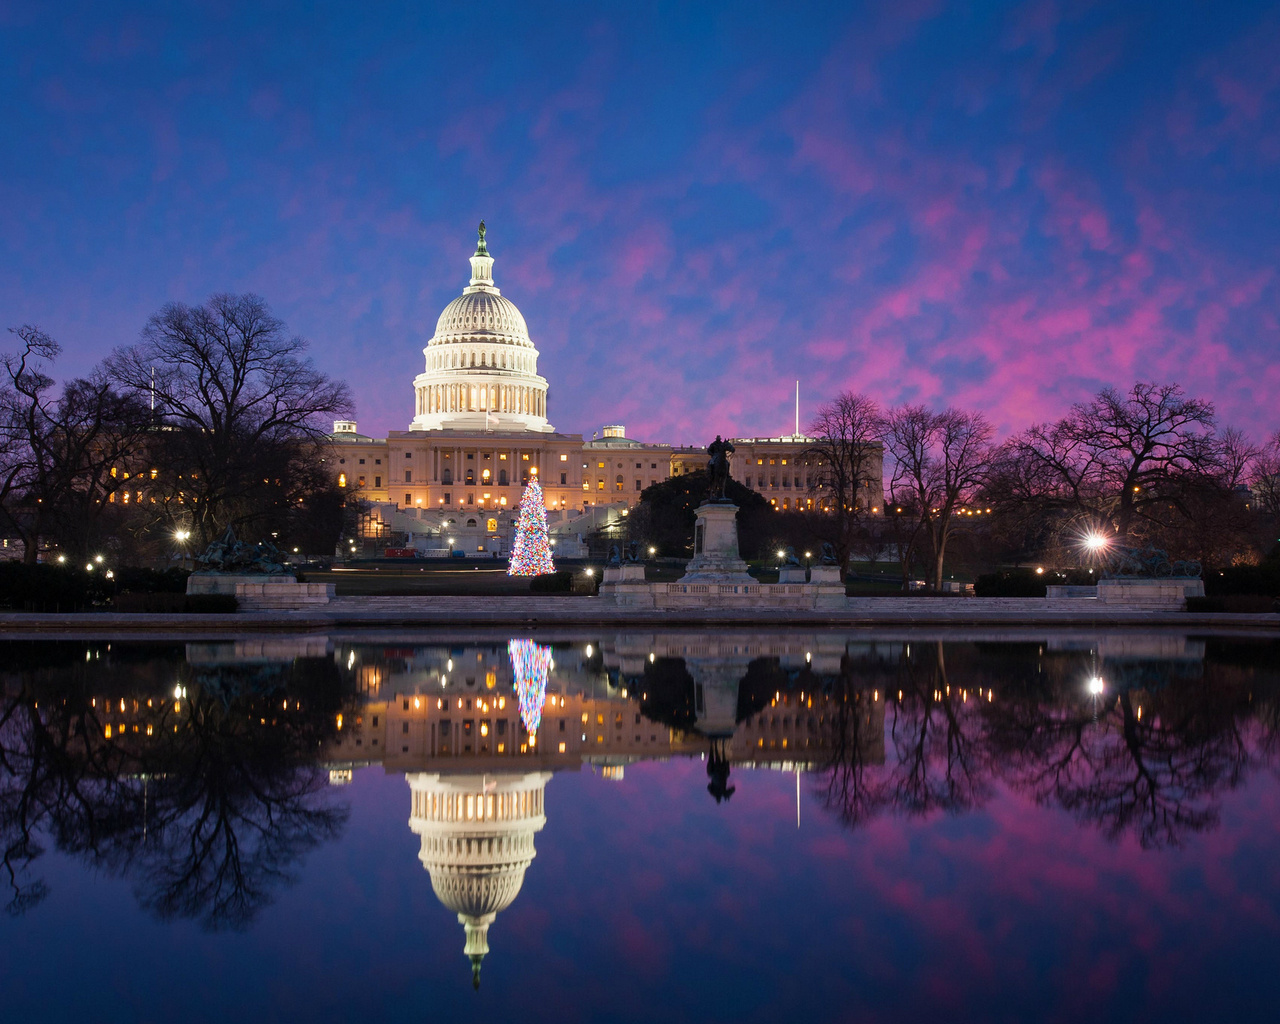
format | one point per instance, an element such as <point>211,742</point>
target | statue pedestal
<point>624,585</point>
<point>261,592</point>
<point>792,574</point>
<point>827,587</point>
<point>628,572</point>
<point>715,547</point>
<point>1166,594</point>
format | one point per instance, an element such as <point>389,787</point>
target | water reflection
<point>192,775</point>
<point>200,773</point>
<point>477,840</point>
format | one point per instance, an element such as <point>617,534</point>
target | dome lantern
<point>482,265</point>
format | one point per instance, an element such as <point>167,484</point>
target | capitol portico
<point>480,433</point>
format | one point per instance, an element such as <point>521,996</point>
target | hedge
<point>47,587</point>
<point>552,583</point>
<point>174,604</point>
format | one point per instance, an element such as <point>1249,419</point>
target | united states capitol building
<point>480,432</point>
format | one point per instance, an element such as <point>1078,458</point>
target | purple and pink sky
<point>1003,206</point>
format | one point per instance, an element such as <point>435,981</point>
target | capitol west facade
<point>480,432</point>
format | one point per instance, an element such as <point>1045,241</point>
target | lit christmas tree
<point>530,662</point>
<point>530,552</point>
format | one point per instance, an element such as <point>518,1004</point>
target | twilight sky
<point>1000,206</point>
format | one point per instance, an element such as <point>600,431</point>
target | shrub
<point>1010,583</point>
<point>212,603</point>
<point>132,580</point>
<point>49,588</point>
<point>173,604</point>
<point>1237,603</point>
<point>552,583</point>
<point>1257,580</point>
<point>143,602</point>
<point>584,584</point>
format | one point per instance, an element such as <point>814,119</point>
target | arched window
<point>446,476</point>
<point>491,525</point>
<point>471,522</point>
<point>502,478</point>
<point>619,483</point>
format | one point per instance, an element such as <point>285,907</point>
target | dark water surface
<point>740,827</point>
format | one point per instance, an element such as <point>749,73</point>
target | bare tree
<point>1120,460</point>
<point>940,461</point>
<point>237,399</point>
<point>60,451</point>
<point>1265,477</point>
<point>850,455</point>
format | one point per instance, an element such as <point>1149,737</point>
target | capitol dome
<point>477,841</point>
<point>481,367</point>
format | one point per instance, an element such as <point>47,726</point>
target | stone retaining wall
<point>262,593</point>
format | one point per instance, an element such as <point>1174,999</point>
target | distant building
<point>480,433</point>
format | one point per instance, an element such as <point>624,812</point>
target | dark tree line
<point>1147,466</point>
<point>216,417</point>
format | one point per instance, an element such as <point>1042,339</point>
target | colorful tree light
<point>530,662</point>
<point>530,552</point>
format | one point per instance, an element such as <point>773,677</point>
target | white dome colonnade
<point>477,840</point>
<point>481,367</point>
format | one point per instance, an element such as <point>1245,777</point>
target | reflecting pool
<point>744,826</point>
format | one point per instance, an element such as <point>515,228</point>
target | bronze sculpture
<point>718,468</point>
